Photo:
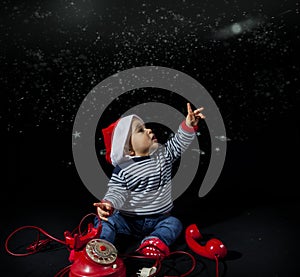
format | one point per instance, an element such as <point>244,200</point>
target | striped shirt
<point>142,186</point>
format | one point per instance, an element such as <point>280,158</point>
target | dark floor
<point>261,241</point>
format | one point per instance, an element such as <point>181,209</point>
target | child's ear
<point>131,152</point>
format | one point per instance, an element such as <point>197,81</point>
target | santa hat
<point>116,139</point>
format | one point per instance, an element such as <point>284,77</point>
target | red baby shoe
<point>154,247</point>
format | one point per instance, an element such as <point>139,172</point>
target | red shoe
<point>154,247</point>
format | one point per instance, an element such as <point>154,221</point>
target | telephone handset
<point>213,249</point>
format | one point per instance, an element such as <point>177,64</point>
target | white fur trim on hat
<point>120,141</point>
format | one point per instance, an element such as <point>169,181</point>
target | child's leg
<point>167,230</point>
<point>164,231</point>
<point>116,224</point>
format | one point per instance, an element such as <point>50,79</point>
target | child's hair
<point>117,139</point>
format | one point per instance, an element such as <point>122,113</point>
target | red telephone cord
<point>38,244</point>
<point>35,246</point>
<point>158,262</point>
<point>217,266</point>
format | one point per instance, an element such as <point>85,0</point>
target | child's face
<point>142,139</point>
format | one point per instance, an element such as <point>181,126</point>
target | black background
<point>53,53</point>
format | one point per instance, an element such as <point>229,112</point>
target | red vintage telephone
<point>98,258</point>
<point>214,249</point>
<point>93,257</point>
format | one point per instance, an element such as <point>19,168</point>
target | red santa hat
<point>116,139</point>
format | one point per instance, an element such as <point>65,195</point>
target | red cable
<point>63,271</point>
<point>158,262</point>
<point>35,246</point>
<point>39,244</point>
<point>217,266</point>
<point>81,221</point>
<point>193,262</point>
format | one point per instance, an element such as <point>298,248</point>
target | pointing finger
<point>189,109</point>
<point>103,218</point>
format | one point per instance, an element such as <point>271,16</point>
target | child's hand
<point>193,117</point>
<point>104,209</point>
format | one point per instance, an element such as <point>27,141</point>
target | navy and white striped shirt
<point>142,186</point>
